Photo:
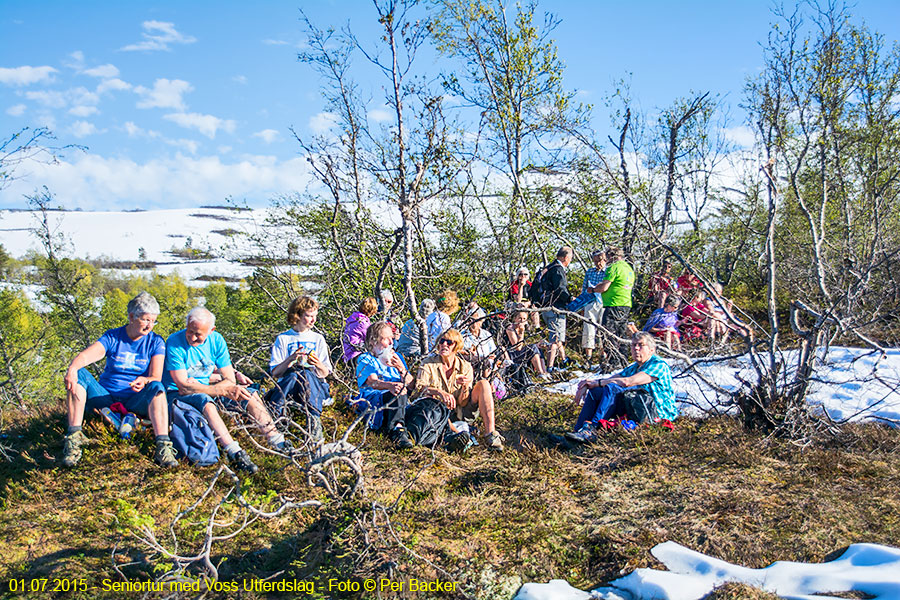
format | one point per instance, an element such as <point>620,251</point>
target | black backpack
<point>536,293</point>
<point>638,405</point>
<point>426,421</point>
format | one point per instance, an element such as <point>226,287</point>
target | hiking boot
<point>585,434</point>
<point>401,438</point>
<point>315,429</point>
<point>72,448</point>
<point>164,455</point>
<point>460,442</point>
<point>494,441</point>
<point>240,460</point>
<point>285,447</point>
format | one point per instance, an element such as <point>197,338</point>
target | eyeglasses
<point>446,341</point>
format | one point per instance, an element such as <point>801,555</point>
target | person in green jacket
<point>615,289</point>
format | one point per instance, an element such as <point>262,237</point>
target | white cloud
<point>158,35</point>
<point>96,182</point>
<point>106,71</point>
<point>16,110</point>
<point>741,135</point>
<point>134,130</point>
<point>76,60</point>
<point>380,115</point>
<point>50,99</point>
<point>191,146</point>
<point>208,125</point>
<point>267,135</point>
<point>271,42</point>
<point>113,85</point>
<point>82,129</point>
<point>322,122</point>
<point>240,79</point>
<point>46,119</point>
<point>72,97</point>
<point>224,149</point>
<point>166,93</point>
<point>25,75</point>
<point>83,111</point>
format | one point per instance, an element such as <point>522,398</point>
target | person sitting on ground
<point>722,319</point>
<point>300,362</point>
<point>134,366</point>
<point>353,339</point>
<point>192,355</point>
<point>519,291</point>
<point>688,283</point>
<point>661,285</point>
<point>647,383</point>
<point>383,381</point>
<point>388,314</point>
<point>556,294</point>
<point>479,347</point>
<point>408,343</point>
<point>448,378</point>
<point>615,289</point>
<point>694,317</point>
<point>663,323</point>
<point>519,352</point>
<point>439,321</point>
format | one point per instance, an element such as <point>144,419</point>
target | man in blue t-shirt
<point>198,370</point>
<point>134,365</point>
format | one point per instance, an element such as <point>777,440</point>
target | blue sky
<point>187,103</point>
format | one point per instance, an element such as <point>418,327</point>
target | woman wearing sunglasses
<point>448,378</point>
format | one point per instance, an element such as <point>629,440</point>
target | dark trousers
<point>393,410</point>
<point>302,386</point>
<point>615,318</point>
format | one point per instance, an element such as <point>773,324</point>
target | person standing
<point>615,290</point>
<point>556,294</point>
<point>594,309</point>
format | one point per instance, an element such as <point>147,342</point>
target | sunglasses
<point>446,341</point>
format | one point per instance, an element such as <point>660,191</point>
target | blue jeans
<point>601,403</point>
<point>98,397</point>
<point>303,387</point>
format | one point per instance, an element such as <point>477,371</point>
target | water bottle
<point>111,417</point>
<point>128,424</point>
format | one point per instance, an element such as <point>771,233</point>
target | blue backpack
<point>192,436</point>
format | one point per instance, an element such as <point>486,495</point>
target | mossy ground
<point>486,520</point>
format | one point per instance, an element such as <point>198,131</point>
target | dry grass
<point>531,513</point>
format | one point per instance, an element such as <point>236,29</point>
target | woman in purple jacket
<point>353,340</point>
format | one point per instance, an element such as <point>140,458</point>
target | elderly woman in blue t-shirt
<point>606,399</point>
<point>134,366</point>
<point>383,378</point>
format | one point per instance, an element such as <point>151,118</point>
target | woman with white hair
<point>641,391</point>
<point>134,367</point>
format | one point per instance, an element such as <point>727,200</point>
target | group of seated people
<point>686,311</point>
<point>459,365</point>
<point>145,375</point>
